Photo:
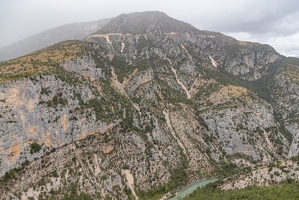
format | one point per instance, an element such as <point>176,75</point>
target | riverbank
<point>190,188</point>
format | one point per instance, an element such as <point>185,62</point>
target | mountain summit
<point>145,22</point>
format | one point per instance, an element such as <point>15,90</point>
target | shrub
<point>34,147</point>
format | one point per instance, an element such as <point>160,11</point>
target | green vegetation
<point>70,193</point>
<point>178,178</point>
<point>259,86</point>
<point>79,98</point>
<point>143,43</point>
<point>66,76</point>
<point>34,147</point>
<point>204,92</point>
<point>171,95</point>
<point>16,76</point>
<point>101,108</point>
<point>125,111</point>
<point>9,175</point>
<point>45,91</point>
<point>81,196</point>
<point>282,191</point>
<point>57,99</point>
<point>113,106</point>
<point>41,62</point>
<point>282,128</point>
<point>122,68</point>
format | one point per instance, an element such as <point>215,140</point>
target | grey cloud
<point>256,17</point>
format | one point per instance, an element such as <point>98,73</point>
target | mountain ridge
<point>49,37</point>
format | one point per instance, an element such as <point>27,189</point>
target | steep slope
<point>284,88</point>
<point>140,99</point>
<point>147,30</point>
<point>75,31</point>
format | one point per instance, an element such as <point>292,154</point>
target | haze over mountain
<point>75,31</point>
<point>143,107</point>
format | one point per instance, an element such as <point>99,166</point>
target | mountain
<point>148,22</point>
<point>75,31</point>
<point>143,107</point>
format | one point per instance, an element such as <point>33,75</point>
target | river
<point>191,188</point>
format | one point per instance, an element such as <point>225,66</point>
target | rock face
<point>285,92</point>
<point>264,175</point>
<point>42,111</point>
<point>147,98</point>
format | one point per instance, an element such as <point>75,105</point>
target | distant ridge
<point>74,31</point>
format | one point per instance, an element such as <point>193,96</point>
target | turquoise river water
<point>191,188</point>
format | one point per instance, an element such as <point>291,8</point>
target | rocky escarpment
<point>43,110</point>
<point>264,175</point>
<point>162,106</point>
<point>246,125</point>
<point>285,92</point>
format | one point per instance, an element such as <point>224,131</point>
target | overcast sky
<point>274,22</point>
